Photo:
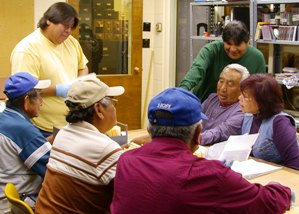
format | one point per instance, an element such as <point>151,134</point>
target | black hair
<point>235,31</point>
<point>74,116</point>
<point>78,114</point>
<point>59,12</point>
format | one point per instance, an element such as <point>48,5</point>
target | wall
<point>40,6</point>
<point>18,18</point>
<point>15,22</point>
<point>158,61</point>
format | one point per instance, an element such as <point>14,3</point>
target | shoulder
<point>211,97</point>
<point>29,40</point>
<point>255,51</point>
<point>283,119</point>
<point>32,45</point>
<point>216,46</point>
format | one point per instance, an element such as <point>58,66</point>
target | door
<point>110,33</point>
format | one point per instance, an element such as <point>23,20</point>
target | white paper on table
<point>238,147</point>
<point>251,168</point>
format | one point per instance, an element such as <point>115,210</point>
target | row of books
<point>269,32</point>
<point>282,18</point>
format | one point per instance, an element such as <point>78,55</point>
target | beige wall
<point>18,18</point>
<point>158,61</point>
<point>16,21</point>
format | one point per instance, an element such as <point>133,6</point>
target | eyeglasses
<point>113,101</point>
<point>68,25</point>
<point>108,100</point>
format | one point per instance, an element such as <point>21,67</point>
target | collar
<point>18,112</point>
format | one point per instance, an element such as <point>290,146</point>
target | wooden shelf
<point>278,42</point>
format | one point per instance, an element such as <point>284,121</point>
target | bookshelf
<point>283,17</point>
<point>283,47</point>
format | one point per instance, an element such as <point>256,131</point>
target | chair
<point>17,205</point>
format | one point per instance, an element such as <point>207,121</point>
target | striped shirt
<point>81,167</point>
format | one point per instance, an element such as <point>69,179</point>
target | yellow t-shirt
<point>45,60</point>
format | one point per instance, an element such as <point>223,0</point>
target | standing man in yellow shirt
<point>50,52</point>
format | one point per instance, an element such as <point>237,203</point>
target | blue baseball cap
<point>20,83</point>
<point>175,107</point>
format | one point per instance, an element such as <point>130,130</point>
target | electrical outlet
<point>146,26</point>
<point>145,43</point>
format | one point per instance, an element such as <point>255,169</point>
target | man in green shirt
<point>204,73</point>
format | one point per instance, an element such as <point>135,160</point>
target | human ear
<point>197,136</point>
<point>27,103</point>
<point>195,142</point>
<point>98,110</point>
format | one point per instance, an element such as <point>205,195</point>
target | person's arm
<point>238,192</point>
<point>142,139</point>
<point>285,140</point>
<point>197,72</point>
<point>36,154</point>
<point>52,90</point>
<point>230,125</point>
<point>83,71</point>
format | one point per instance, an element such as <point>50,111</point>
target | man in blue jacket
<point>24,152</point>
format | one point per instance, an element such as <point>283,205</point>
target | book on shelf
<point>287,33</point>
<point>269,32</point>
<point>258,32</point>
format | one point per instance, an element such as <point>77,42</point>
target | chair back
<point>16,204</point>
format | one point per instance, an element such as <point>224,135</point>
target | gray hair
<point>239,68</point>
<point>184,133</point>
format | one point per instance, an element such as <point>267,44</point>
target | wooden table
<point>285,176</point>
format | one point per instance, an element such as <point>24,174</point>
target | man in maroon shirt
<point>165,177</point>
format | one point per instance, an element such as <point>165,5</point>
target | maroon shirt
<point>165,177</point>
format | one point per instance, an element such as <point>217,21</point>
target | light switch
<point>159,27</point>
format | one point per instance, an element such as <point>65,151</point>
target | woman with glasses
<point>262,100</point>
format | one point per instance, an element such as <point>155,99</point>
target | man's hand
<point>142,139</point>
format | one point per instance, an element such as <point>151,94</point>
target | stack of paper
<point>251,168</point>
